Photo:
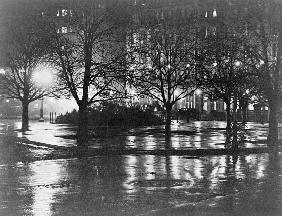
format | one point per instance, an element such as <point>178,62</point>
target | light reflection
<point>260,169</point>
<point>219,171</point>
<point>46,184</point>
<point>149,167</point>
<point>150,142</point>
<point>238,168</point>
<point>175,142</point>
<point>198,124</point>
<point>198,167</point>
<point>248,158</point>
<point>131,141</point>
<point>197,141</point>
<point>131,173</point>
<point>175,162</point>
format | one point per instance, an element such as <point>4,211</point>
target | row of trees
<point>230,57</point>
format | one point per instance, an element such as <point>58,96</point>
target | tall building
<point>142,11</point>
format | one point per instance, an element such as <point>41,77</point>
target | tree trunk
<point>273,124</point>
<point>235,126</point>
<point>228,116</point>
<point>244,114</point>
<point>25,118</point>
<point>82,132</point>
<point>168,120</point>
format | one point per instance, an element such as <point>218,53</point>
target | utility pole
<point>41,119</point>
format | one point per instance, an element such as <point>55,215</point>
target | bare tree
<point>163,63</point>
<point>265,33</point>
<point>224,70</point>
<point>22,51</point>
<point>90,56</point>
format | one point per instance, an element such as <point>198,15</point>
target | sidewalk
<point>47,141</point>
<point>194,135</point>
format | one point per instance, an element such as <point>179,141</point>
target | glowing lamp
<point>43,78</point>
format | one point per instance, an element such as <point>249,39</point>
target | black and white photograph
<point>140,107</point>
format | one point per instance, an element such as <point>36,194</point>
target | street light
<point>237,63</point>
<point>198,92</point>
<point>43,78</point>
<point>41,118</point>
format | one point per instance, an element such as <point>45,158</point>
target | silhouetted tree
<point>163,63</point>
<point>22,53</point>
<point>223,65</point>
<point>89,54</point>
<point>265,32</point>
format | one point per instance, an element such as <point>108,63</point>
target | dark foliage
<point>114,115</point>
<point>189,114</point>
<point>217,115</point>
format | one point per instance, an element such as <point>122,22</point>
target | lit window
<point>205,107</point>
<point>135,38</point>
<point>251,107</point>
<point>64,30</point>
<point>214,14</point>
<point>214,30</point>
<point>64,12</point>
<point>162,15</point>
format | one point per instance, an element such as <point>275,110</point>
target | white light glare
<point>43,78</point>
<point>237,63</point>
<point>198,92</point>
<point>214,14</point>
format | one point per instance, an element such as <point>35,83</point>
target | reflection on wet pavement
<point>144,185</point>
<point>185,136</point>
<point>139,185</point>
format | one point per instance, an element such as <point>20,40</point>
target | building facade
<point>158,12</point>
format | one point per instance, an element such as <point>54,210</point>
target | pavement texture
<point>41,175</point>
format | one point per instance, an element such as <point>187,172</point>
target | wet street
<point>139,185</point>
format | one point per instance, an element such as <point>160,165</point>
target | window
<point>205,107</point>
<point>214,14</point>
<point>64,12</point>
<point>64,29</point>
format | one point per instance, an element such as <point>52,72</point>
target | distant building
<point>157,11</point>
